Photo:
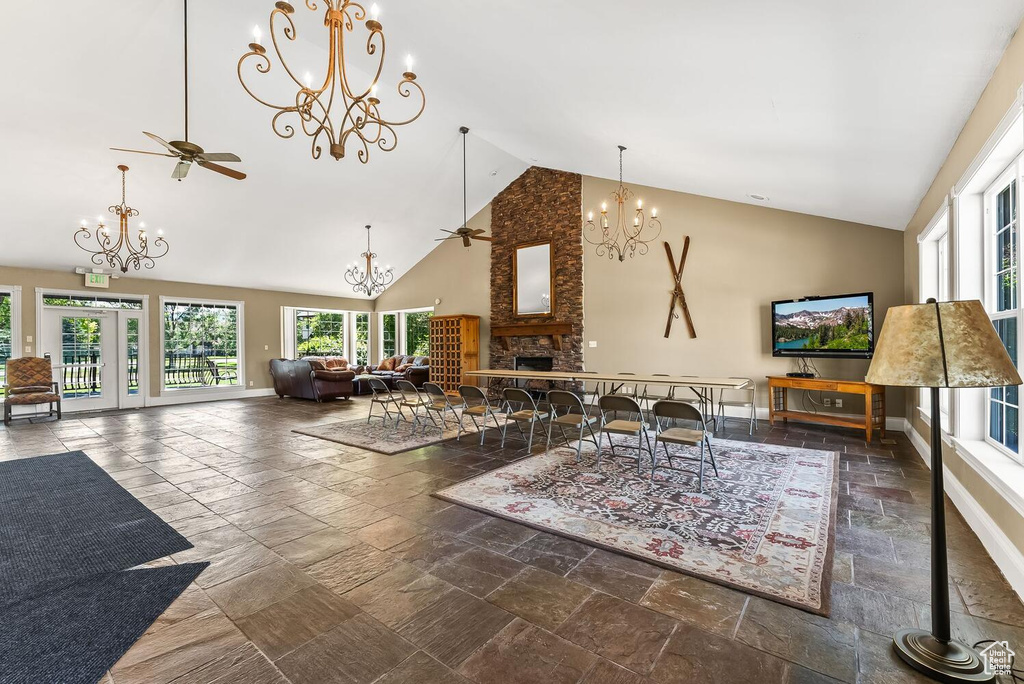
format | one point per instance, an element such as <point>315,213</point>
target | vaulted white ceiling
<point>843,110</point>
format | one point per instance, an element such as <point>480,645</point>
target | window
<point>1003,301</point>
<point>93,302</point>
<point>388,335</point>
<point>405,332</point>
<point>362,330</point>
<point>202,343</point>
<point>935,282</point>
<point>9,314</point>
<point>417,332</point>
<point>319,333</point>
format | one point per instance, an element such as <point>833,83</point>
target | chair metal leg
<point>712,454</point>
<point>654,458</point>
<point>700,476</point>
<point>547,444</point>
<point>579,444</point>
<point>529,443</point>
<point>600,441</point>
<point>504,430</point>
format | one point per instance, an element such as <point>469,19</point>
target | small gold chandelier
<point>313,104</point>
<point>371,280</point>
<point>110,250</point>
<point>623,239</point>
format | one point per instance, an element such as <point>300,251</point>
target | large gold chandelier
<point>357,109</point>
<point>624,238</point>
<point>120,252</point>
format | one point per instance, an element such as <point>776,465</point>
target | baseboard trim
<point>171,398</point>
<point>1008,558</point>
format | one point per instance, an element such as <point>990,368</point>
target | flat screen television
<point>838,326</point>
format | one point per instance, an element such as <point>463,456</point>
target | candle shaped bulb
<point>590,216</point>
<point>99,219</point>
<point>654,212</point>
<point>142,224</point>
<point>408,63</point>
<point>604,207</point>
<point>636,221</point>
<point>83,223</point>
<point>257,35</point>
<point>374,11</point>
<point>160,231</point>
<point>308,79</point>
<point>373,90</point>
<point>639,204</point>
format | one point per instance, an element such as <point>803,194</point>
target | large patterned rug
<point>387,438</point>
<point>765,526</point>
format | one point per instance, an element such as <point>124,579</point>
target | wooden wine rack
<point>454,349</point>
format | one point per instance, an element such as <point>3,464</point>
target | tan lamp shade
<point>944,344</point>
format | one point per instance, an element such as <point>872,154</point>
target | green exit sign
<point>97,280</point>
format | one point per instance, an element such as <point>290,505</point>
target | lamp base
<point>952,661</point>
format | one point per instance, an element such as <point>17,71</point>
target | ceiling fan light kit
<point>358,113</point>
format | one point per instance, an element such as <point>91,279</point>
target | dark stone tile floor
<point>333,564</point>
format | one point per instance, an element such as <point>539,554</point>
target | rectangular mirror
<point>533,279</point>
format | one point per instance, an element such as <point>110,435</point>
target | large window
<point>936,283</point>
<point>8,339</point>
<point>362,329</point>
<point>1003,301</point>
<point>405,332</point>
<point>319,333</point>
<point>388,335</point>
<point>202,343</point>
<point>417,332</point>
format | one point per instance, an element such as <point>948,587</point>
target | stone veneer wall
<point>542,204</point>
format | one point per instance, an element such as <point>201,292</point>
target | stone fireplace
<point>540,205</point>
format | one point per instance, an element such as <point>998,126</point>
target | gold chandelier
<point>371,280</point>
<point>313,105</point>
<point>108,249</point>
<point>624,239</point>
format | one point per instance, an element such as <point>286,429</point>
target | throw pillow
<point>387,364</point>
<point>404,367</point>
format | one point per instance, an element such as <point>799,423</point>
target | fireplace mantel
<point>552,330</point>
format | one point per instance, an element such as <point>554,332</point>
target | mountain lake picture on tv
<point>840,325</point>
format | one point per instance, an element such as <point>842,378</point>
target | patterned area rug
<point>387,438</point>
<point>765,526</point>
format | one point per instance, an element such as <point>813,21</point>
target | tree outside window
<point>320,333</point>
<point>417,333</point>
<point>389,335</point>
<point>362,339</point>
<point>200,345</point>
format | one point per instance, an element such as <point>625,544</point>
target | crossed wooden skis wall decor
<point>678,297</point>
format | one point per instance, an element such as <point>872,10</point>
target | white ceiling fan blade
<point>163,142</point>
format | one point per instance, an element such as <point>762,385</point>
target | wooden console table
<point>874,402</point>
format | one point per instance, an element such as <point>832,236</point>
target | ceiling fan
<point>464,232</point>
<point>188,152</point>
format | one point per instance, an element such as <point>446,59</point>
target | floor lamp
<point>947,344</point>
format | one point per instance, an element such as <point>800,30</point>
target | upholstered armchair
<point>30,382</point>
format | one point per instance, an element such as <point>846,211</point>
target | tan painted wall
<point>741,257</point>
<point>262,318</point>
<point>994,102</point>
<point>458,276</point>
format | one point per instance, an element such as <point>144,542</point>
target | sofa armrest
<point>334,375</point>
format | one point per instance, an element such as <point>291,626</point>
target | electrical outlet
<point>251,383</point>
<point>592,343</point>
<point>839,403</point>
<point>28,348</point>
<point>827,401</point>
<point>266,347</point>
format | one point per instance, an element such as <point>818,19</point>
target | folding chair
<point>676,435</point>
<point>439,403</point>
<point>514,395</point>
<point>578,420</point>
<point>383,397</point>
<point>614,404</point>
<point>476,403</point>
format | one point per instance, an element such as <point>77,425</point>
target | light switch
<point>28,338</point>
<point>592,343</point>
<point>266,347</point>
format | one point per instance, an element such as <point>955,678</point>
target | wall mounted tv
<point>838,326</point>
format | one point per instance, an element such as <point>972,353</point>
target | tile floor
<point>333,564</point>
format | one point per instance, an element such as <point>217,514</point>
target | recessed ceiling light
<point>759,198</point>
<point>494,173</point>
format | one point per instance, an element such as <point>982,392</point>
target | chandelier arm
<point>371,49</point>
<point>406,94</point>
<point>263,66</point>
<point>289,130</point>
<point>289,33</point>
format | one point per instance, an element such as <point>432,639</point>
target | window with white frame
<point>1002,299</point>
<point>405,332</point>
<point>320,333</point>
<point>202,344</point>
<point>10,317</point>
<point>934,268</point>
<point>362,339</point>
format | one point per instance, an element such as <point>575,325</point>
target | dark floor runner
<point>62,517</point>
<point>77,633</point>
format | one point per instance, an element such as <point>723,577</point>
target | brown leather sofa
<point>415,369</point>
<point>313,377</point>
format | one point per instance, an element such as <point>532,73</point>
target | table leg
<point>869,418</point>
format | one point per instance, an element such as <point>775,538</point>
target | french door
<point>97,355</point>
